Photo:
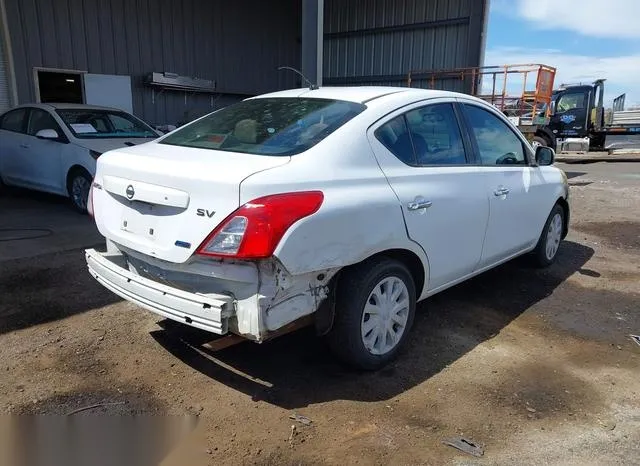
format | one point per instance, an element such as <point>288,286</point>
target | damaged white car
<point>339,207</point>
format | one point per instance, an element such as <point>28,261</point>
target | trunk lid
<point>163,200</point>
<point>107,144</point>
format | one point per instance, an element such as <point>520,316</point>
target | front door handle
<point>501,192</point>
<point>419,204</point>
<point>24,146</point>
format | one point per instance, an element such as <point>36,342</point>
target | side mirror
<point>545,156</point>
<point>47,134</point>
<point>553,107</point>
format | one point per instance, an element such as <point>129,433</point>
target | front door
<point>511,185</point>
<point>44,155</point>
<point>571,115</point>
<point>13,146</point>
<point>424,156</point>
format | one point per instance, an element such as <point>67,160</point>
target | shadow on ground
<point>11,195</point>
<point>46,288</point>
<point>297,370</point>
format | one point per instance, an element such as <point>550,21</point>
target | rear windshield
<point>98,124</point>
<point>271,126</point>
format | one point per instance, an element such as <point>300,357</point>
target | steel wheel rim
<point>535,144</point>
<point>554,236</point>
<point>80,187</point>
<point>385,316</point>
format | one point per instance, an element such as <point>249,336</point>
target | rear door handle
<point>419,204</point>
<point>24,146</point>
<point>501,192</point>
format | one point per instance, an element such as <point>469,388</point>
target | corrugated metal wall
<point>239,44</point>
<point>5,101</point>
<point>380,41</point>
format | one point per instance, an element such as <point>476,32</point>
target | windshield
<point>271,126</point>
<point>93,124</point>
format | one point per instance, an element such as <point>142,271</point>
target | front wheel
<point>79,187</point>
<point>375,308</point>
<point>539,141</point>
<point>547,248</point>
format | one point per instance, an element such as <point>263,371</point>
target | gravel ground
<point>537,366</point>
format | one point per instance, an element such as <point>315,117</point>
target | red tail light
<point>255,229</point>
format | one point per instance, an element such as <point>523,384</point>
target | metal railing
<point>524,91</point>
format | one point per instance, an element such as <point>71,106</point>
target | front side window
<point>270,126</point>
<point>39,120</point>
<point>497,143</point>
<point>570,102</point>
<point>14,120</point>
<point>96,124</point>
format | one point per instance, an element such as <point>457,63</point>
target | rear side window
<point>426,136</point>
<point>436,135</point>
<point>14,120</point>
<point>275,126</point>
<point>395,137</point>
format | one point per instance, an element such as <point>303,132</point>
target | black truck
<point>578,117</point>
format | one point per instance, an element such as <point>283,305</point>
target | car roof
<point>358,94</point>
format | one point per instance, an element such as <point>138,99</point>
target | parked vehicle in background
<point>578,119</point>
<point>341,207</point>
<point>54,147</point>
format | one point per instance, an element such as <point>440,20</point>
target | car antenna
<point>312,87</point>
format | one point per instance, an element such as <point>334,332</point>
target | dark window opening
<point>60,87</point>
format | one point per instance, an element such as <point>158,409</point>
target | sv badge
<point>205,213</point>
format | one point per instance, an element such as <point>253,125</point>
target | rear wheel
<point>375,308</point>
<point>78,186</point>
<point>547,248</point>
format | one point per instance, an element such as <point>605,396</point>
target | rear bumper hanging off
<point>210,312</point>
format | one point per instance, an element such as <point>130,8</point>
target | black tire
<point>540,140</point>
<point>540,254</point>
<point>79,198</point>
<point>354,289</point>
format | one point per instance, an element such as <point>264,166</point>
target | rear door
<point>515,188</point>
<point>424,155</point>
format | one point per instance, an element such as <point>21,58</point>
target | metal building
<point>170,61</point>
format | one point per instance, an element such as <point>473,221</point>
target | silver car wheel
<point>554,236</point>
<point>385,316</point>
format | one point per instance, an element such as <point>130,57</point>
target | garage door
<point>5,103</point>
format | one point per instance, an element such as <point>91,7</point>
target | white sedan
<point>54,147</point>
<point>341,207</point>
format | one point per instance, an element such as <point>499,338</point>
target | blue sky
<point>583,39</point>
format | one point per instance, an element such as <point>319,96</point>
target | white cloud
<point>622,73</point>
<point>596,18</point>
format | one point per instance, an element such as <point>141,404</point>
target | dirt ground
<point>537,366</point>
